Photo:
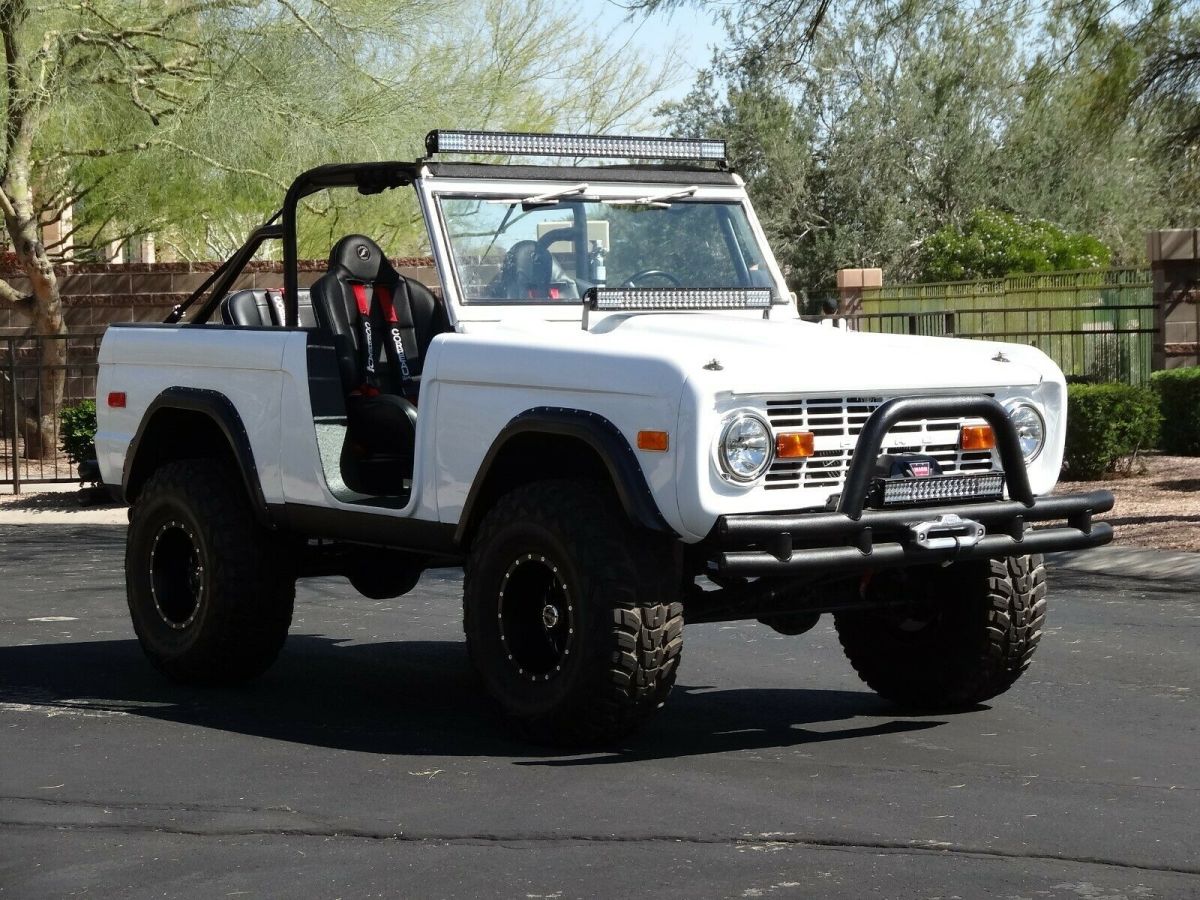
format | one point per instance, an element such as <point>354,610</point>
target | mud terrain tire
<point>967,636</point>
<point>210,591</point>
<point>570,613</point>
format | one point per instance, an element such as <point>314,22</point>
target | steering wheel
<point>633,279</point>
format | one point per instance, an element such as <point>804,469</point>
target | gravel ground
<point>1158,508</point>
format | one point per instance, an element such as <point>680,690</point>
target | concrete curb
<point>1130,562</point>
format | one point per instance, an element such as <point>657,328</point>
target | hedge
<point>77,431</point>
<point>1106,424</point>
<point>1179,399</point>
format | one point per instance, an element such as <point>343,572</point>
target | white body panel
<point>683,373</point>
<point>245,366</point>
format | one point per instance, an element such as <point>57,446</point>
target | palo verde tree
<point>188,117</point>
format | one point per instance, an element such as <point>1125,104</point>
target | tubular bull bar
<point>852,538</point>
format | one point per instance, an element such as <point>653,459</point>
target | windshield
<point>552,248</point>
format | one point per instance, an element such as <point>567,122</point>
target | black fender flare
<point>220,410</point>
<point>610,445</point>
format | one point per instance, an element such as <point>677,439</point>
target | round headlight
<point>745,447</point>
<point>1031,429</point>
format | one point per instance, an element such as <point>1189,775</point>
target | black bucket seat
<point>381,325</point>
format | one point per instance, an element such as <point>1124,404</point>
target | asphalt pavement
<point>367,763</point>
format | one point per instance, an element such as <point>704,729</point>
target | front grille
<point>836,422</point>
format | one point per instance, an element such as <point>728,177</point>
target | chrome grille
<point>836,422</point>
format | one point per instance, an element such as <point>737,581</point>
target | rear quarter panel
<point>243,364</point>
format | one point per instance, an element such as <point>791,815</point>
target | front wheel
<point>948,638</point>
<point>569,613</point>
<point>210,591</point>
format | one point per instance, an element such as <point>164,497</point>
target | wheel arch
<point>553,442</point>
<point>192,423</point>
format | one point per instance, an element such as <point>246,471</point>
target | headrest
<point>360,259</point>
<point>529,264</point>
<point>522,263</point>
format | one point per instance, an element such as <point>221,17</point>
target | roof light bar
<point>506,142</point>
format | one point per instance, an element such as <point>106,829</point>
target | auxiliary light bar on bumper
<point>852,538</point>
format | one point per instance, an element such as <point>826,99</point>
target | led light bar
<point>900,491</point>
<point>617,299</point>
<point>505,142</point>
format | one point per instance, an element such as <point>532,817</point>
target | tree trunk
<point>40,428</point>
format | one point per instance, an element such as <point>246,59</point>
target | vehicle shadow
<point>1182,485</point>
<point>414,698</point>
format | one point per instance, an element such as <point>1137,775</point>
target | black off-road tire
<point>210,591</point>
<point>967,636</point>
<point>565,553</point>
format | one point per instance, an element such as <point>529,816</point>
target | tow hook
<point>947,532</point>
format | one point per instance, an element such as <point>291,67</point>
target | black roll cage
<point>368,178</point>
<point>374,178</point>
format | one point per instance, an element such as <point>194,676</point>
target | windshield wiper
<point>660,201</point>
<point>555,196</point>
<point>546,199</point>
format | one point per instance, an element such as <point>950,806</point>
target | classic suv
<point>611,416</point>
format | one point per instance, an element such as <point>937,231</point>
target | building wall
<point>94,295</point>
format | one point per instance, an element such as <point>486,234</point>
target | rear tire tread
<point>250,589</point>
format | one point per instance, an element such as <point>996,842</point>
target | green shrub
<point>1179,399</point>
<point>993,244</point>
<point>77,431</point>
<point>1107,425</point>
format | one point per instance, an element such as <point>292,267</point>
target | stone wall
<point>95,295</point>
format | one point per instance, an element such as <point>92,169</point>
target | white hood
<point>758,356</point>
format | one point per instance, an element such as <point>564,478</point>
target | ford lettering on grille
<point>836,423</point>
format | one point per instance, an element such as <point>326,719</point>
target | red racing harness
<point>399,358</point>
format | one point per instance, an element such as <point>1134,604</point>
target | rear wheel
<point>209,590</point>
<point>569,613</point>
<point>963,635</point>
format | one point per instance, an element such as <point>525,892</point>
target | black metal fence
<point>1097,325</point>
<point>23,404</point>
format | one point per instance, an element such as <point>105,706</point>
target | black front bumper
<point>791,544</point>
<point>852,538</point>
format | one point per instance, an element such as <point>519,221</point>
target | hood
<point>788,356</point>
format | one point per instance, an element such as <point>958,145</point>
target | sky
<point>692,30</point>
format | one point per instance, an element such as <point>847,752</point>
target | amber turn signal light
<point>658,441</point>
<point>794,445</point>
<point>977,437</point>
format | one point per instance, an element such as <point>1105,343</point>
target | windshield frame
<point>433,189</point>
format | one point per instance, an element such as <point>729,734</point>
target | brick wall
<point>95,295</point>
<point>1175,261</point>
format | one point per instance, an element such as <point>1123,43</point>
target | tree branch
<point>13,297</point>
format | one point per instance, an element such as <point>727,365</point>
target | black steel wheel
<point>569,613</point>
<point>176,574</point>
<point>210,592</point>
<point>963,634</point>
<point>536,617</point>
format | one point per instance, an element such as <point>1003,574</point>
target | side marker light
<point>658,441</point>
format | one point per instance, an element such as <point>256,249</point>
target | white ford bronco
<point>611,416</point>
